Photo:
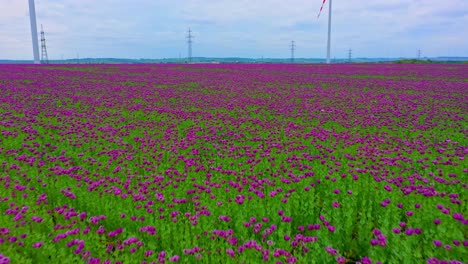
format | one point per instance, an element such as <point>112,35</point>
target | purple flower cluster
<point>168,163</point>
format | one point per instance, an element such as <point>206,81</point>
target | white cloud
<point>145,28</point>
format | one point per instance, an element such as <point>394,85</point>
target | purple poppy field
<point>204,163</point>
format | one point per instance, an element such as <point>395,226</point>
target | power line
<point>189,42</point>
<point>44,57</point>
<point>293,48</point>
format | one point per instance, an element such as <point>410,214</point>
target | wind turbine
<point>329,26</point>
<point>32,16</point>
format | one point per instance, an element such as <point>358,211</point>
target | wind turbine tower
<point>329,26</point>
<point>32,17</point>
<point>329,30</point>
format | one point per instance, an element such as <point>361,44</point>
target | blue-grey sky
<point>236,28</point>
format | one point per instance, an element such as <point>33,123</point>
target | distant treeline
<point>416,61</point>
<point>457,60</point>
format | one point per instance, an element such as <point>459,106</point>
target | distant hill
<point>244,60</point>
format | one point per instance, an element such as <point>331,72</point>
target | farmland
<point>233,163</point>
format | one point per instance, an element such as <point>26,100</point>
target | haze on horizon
<point>243,28</point>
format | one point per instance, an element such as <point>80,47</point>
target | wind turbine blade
<point>323,3</point>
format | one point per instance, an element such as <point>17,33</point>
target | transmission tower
<point>419,54</point>
<point>189,42</point>
<point>44,57</point>
<point>293,48</point>
<point>350,52</point>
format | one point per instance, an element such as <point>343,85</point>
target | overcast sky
<point>236,28</point>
